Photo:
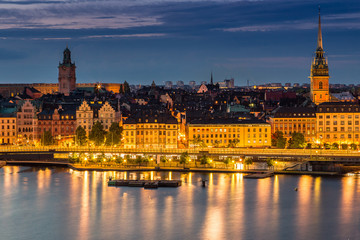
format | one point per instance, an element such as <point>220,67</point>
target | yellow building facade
<point>222,132</point>
<point>8,129</point>
<point>338,122</point>
<point>150,132</point>
<point>289,120</point>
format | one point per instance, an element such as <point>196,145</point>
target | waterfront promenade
<point>270,152</point>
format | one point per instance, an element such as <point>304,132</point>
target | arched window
<point>320,85</point>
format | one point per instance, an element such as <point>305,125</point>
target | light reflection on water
<point>65,204</point>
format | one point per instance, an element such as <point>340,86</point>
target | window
<point>320,85</point>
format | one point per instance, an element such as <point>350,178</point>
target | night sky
<point>144,40</point>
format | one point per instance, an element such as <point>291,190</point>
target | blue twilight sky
<point>175,40</point>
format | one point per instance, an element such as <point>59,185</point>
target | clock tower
<point>67,78</point>
<point>319,76</point>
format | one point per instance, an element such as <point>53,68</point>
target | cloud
<point>140,35</point>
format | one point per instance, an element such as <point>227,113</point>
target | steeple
<point>319,41</point>
<point>211,79</point>
<point>319,74</point>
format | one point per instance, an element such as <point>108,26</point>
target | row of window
<point>150,133</point>
<point>336,116</point>
<point>7,127</point>
<point>7,121</point>
<point>228,135</point>
<point>341,136</point>
<point>341,129</point>
<point>7,134</point>
<point>294,125</point>
<point>226,130</point>
<point>336,122</point>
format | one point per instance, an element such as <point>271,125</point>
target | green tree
<point>164,159</point>
<point>344,146</point>
<point>139,160</point>
<point>119,160</point>
<point>197,141</point>
<point>297,140</point>
<point>335,146</point>
<point>275,138</point>
<point>47,139</point>
<point>184,158</point>
<point>278,140</point>
<point>233,143</point>
<point>80,135</point>
<point>248,161</point>
<point>97,134</point>
<point>204,159</point>
<point>113,137</point>
<point>227,160</point>
<point>353,146</point>
<point>270,162</point>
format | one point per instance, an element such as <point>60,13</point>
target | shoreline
<point>164,169</point>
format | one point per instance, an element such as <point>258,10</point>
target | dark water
<point>63,204</point>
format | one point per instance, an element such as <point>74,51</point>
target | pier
<point>145,183</point>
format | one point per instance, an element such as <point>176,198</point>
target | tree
<point>248,161</point>
<point>119,160</point>
<point>204,159</point>
<point>275,137</point>
<point>184,158</point>
<point>335,146</point>
<point>113,137</point>
<point>126,87</point>
<point>227,160</point>
<point>197,141</point>
<point>270,162</point>
<point>164,159</point>
<point>47,139</point>
<point>81,137</point>
<point>344,146</point>
<point>233,143</point>
<point>297,140</point>
<point>139,160</point>
<point>353,146</point>
<point>97,134</point>
<point>278,140</point>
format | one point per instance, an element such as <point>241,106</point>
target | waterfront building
<point>224,132</point>
<point>106,115</point>
<point>85,116</point>
<point>150,130</point>
<point>338,122</point>
<point>295,119</point>
<point>319,75</point>
<point>26,121</point>
<point>61,122</point>
<point>8,128</point>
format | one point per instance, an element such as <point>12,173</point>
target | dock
<point>259,175</point>
<point>148,184</point>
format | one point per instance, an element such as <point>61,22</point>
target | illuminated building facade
<point>26,121</point>
<point>298,119</point>
<point>338,122</point>
<point>150,131</point>
<point>8,128</point>
<point>222,132</point>
<point>60,122</point>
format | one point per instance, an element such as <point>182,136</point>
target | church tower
<point>67,78</point>
<point>319,76</point>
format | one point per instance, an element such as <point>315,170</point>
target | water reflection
<point>80,205</point>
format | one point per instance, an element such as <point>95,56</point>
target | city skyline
<point>160,41</point>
